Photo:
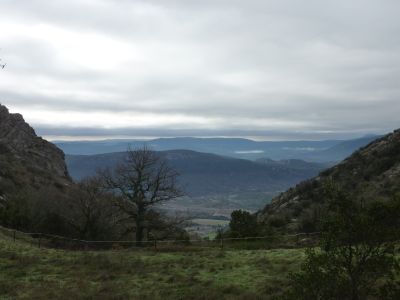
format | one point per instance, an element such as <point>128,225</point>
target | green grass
<point>210,222</point>
<point>27,272</point>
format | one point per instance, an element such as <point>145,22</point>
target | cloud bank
<point>264,69</point>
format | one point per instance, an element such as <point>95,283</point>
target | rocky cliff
<point>27,160</point>
<point>373,172</point>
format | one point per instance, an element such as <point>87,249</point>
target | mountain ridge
<point>312,151</point>
<point>207,173</point>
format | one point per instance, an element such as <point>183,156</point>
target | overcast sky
<point>262,69</point>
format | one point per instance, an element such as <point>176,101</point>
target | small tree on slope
<point>356,259</point>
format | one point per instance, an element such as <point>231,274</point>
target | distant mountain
<point>205,174</point>
<point>294,164</point>
<point>26,160</point>
<point>341,150</point>
<point>373,172</point>
<point>320,151</point>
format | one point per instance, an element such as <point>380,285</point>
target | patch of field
<point>210,222</point>
<point>27,272</point>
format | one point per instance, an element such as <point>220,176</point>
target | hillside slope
<point>371,172</point>
<point>208,174</point>
<point>27,160</point>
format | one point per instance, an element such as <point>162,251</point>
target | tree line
<point>114,204</point>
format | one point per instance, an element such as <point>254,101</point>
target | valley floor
<point>27,272</point>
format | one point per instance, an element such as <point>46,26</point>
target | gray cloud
<point>234,68</point>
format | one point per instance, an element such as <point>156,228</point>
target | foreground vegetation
<point>27,272</point>
<point>355,257</point>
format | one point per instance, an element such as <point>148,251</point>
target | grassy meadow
<point>27,272</point>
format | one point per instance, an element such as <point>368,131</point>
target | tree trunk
<point>139,226</point>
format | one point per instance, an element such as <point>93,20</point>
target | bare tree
<point>142,181</point>
<point>90,211</point>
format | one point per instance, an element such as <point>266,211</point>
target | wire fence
<point>251,243</point>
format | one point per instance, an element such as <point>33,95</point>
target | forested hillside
<point>203,174</point>
<point>371,173</point>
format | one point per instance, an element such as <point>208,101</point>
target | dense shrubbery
<point>243,224</point>
<point>85,211</point>
<point>356,259</point>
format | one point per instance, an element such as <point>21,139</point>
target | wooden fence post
<point>155,244</point>
<point>222,242</point>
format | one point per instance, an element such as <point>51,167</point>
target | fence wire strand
<point>53,241</point>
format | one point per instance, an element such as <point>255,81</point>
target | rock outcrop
<point>27,160</point>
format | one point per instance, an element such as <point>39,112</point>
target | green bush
<point>357,258</point>
<point>243,224</point>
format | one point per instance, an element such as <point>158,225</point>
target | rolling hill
<point>204,174</point>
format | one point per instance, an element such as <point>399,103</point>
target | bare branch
<point>141,181</point>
